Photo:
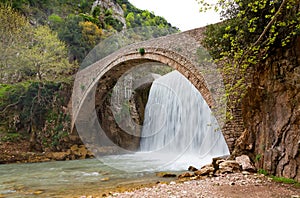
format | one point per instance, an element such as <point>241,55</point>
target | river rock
<point>205,170</point>
<point>192,168</point>
<point>245,162</point>
<point>185,175</point>
<point>38,192</point>
<point>59,156</point>
<point>105,179</point>
<point>229,166</point>
<point>165,174</point>
<point>80,152</point>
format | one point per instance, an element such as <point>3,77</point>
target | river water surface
<point>67,178</point>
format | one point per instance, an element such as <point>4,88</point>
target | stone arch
<point>118,66</point>
<point>109,69</point>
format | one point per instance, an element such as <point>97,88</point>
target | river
<point>68,178</point>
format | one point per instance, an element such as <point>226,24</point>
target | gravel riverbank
<point>228,185</point>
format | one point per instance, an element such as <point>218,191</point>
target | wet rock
<point>38,192</point>
<point>185,175</point>
<point>80,152</point>
<point>105,179</point>
<point>245,162</point>
<point>192,168</point>
<point>165,174</point>
<point>59,156</point>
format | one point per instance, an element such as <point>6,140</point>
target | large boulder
<point>229,166</point>
<point>245,162</point>
<point>205,170</point>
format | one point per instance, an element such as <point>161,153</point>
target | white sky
<point>183,14</point>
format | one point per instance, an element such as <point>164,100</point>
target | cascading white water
<point>179,125</point>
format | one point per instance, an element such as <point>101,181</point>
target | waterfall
<point>179,125</point>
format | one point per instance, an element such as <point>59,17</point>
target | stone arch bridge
<point>180,51</point>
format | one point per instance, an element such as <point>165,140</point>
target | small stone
<point>172,183</point>
<point>194,178</point>
<point>38,192</point>
<point>245,173</point>
<point>243,182</point>
<point>295,196</point>
<point>105,179</point>
<point>232,184</point>
<point>258,181</point>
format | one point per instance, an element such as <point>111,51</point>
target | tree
<point>129,19</point>
<point>55,21</point>
<point>46,57</point>
<point>13,29</point>
<point>91,33</point>
<point>251,30</point>
<point>71,34</point>
<point>34,64</point>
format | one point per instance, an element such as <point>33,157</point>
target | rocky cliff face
<point>118,12</point>
<point>271,113</point>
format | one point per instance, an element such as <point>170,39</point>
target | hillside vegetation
<point>43,43</point>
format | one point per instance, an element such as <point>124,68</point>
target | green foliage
<point>137,18</point>
<point>11,137</point>
<point>262,171</point>
<point>13,32</point>
<point>34,63</point>
<point>30,52</point>
<point>250,32</point>
<point>45,55</point>
<point>55,21</point>
<point>279,179</point>
<point>285,180</point>
<point>20,101</point>
<point>56,129</point>
<point>65,17</point>
<point>258,157</point>
<point>71,33</point>
<point>142,51</point>
<point>23,97</point>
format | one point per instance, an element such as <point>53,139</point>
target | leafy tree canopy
<point>250,31</point>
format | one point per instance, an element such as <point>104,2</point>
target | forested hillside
<point>42,45</point>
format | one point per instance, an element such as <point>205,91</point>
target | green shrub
<point>142,51</point>
<point>11,137</point>
<point>257,157</point>
<point>262,171</point>
<point>285,180</point>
